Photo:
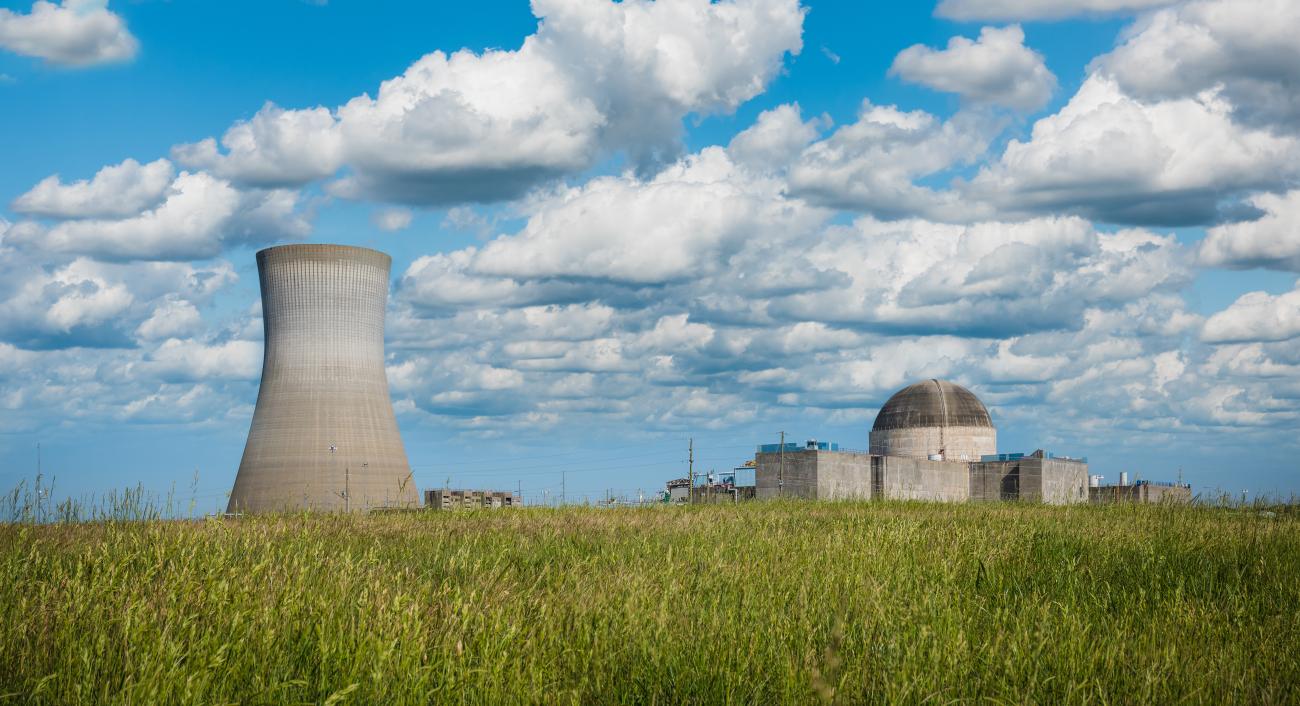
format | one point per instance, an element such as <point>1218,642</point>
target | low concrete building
<point>841,475</point>
<point>800,472</point>
<point>444,499</point>
<point>721,493</point>
<point>1142,492</point>
<point>1038,477</point>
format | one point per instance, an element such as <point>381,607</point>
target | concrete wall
<point>800,474</point>
<point>994,481</point>
<point>1046,480</point>
<point>900,478</point>
<point>812,474</point>
<point>1144,493</point>
<point>958,443</point>
<point>842,475</point>
<point>1059,482</point>
<point>323,384</point>
<point>831,475</point>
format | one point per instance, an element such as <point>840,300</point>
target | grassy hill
<point>753,603</point>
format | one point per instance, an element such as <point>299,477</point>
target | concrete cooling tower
<point>323,435</point>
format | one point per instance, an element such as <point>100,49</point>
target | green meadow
<point>782,602</point>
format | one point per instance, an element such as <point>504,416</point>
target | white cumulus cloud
<point>775,138</point>
<point>198,215</point>
<point>276,147</point>
<point>1273,240</point>
<point>71,33</point>
<point>1256,316</point>
<point>1245,48</point>
<point>968,10</point>
<point>596,78</point>
<point>84,302</point>
<point>614,228</point>
<point>116,190</point>
<point>1111,157</point>
<point>997,68</point>
<point>190,360</point>
<point>873,164</point>
<point>171,317</point>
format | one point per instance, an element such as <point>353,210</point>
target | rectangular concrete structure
<point>1142,493</point>
<point>905,478</point>
<point>720,494</point>
<point>1054,481</point>
<point>842,475</point>
<point>445,499</point>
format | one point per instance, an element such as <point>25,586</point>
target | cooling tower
<point>323,435</point>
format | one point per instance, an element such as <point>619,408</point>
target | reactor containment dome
<point>935,419</point>
<point>323,434</point>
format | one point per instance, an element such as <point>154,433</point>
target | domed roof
<point>933,403</point>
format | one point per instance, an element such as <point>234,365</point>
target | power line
<point>573,453</point>
<point>451,469</point>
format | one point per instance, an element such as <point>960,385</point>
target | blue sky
<point>614,231</point>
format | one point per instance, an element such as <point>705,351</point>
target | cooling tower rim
<point>308,251</point>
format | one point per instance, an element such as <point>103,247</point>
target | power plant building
<point>1143,491</point>
<point>323,434</point>
<point>934,419</point>
<point>446,499</point>
<point>933,440</point>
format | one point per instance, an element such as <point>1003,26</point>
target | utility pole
<point>780,476</point>
<point>347,489</point>
<point>690,464</point>
<point>562,488</point>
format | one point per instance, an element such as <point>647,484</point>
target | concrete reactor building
<point>323,434</point>
<point>934,419</point>
<point>933,440</point>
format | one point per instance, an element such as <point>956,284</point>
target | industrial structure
<point>1142,491</point>
<point>677,490</point>
<point>323,434</point>
<point>935,419</point>
<point>933,440</point>
<point>444,499</point>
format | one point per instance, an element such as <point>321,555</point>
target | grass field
<point>758,603</point>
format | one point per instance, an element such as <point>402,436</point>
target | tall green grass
<point>752,603</point>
